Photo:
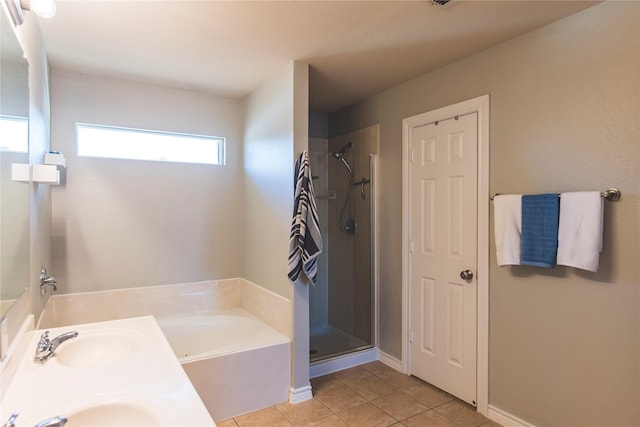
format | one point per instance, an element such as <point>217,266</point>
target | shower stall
<point>341,304</point>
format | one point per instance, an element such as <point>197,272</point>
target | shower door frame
<point>370,353</point>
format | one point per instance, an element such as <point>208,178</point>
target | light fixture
<point>43,8</point>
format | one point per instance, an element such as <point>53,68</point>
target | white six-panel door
<point>443,254</point>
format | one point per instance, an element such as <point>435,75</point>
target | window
<point>14,134</point>
<point>139,144</point>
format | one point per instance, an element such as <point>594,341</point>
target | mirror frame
<point>9,21</point>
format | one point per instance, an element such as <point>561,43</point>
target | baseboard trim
<point>339,363</point>
<point>506,419</point>
<point>390,361</point>
<point>297,395</point>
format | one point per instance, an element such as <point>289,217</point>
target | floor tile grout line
<point>397,389</point>
<point>379,374</point>
<point>421,412</point>
<point>400,389</point>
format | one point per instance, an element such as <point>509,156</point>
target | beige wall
<point>565,116</point>
<point>276,131</point>
<point>122,223</point>
<point>268,183</point>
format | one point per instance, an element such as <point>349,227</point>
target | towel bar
<point>612,195</point>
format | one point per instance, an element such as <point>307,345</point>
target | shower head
<point>346,164</point>
<point>340,154</point>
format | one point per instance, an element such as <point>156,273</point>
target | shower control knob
<point>466,275</point>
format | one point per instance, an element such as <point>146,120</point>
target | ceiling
<point>229,48</point>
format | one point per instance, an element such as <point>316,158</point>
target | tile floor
<point>368,395</point>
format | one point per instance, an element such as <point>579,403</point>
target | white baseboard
<point>496,414</point>
<point>506,419</point>
<point>297,395</point>
<point>390,361</point>
<point>336,364</point>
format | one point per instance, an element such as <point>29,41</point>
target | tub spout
<point>46,281</point>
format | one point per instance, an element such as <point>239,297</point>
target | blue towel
<point>539,242</point>
<point>305,241</point>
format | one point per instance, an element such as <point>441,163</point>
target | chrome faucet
<point>46,281</point>
<point>58,421</point>
<point>12,420</point>
<point>46,348</point>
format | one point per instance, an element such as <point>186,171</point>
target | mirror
<point>14,147</point>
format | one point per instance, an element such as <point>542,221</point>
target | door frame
<point>479,105</point>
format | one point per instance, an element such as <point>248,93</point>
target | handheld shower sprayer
<point>348,226</point>
<point>340,156</point>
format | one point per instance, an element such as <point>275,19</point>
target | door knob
<point>466,275</point>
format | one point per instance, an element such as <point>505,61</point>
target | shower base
<point>326,341</point>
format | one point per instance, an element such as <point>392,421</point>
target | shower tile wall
<point>341,272</point>
<point>350,306</point>
<point>318,294</point>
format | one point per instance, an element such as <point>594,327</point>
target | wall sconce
<point>42,8</point>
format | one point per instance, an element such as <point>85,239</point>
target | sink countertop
<point>137,370</point>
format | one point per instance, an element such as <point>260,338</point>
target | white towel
<point>580,229</point>
<point>305,241</point>
<point>507,215</point>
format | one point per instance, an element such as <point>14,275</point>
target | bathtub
<point>236,362</point>
<point>195,338</point>
<point>232,337</point>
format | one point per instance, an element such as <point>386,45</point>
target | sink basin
<point>114,373</point>
<point>114,414</point>
<point>97,349</point>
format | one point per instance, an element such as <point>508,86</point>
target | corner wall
<point>276,131</point>
<point>268,183</point>
<point>565,116</point>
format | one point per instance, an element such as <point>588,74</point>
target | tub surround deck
<point>196,298</point>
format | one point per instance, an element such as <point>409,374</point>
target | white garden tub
<point>230,331</point>
<point>236,362</point>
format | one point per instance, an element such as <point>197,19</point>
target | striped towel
<point>305,241</point>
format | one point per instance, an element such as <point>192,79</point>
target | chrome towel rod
<point>611,195</point>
